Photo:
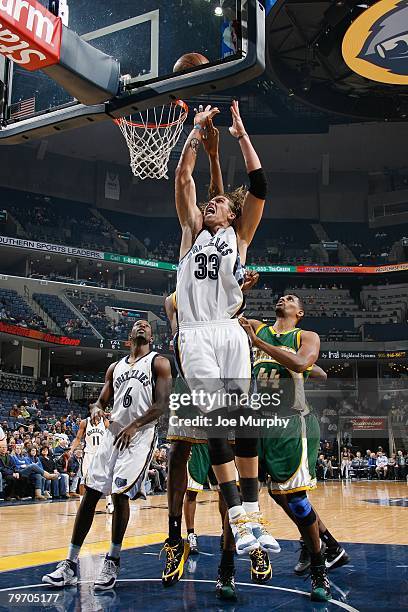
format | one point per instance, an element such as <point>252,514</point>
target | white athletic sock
<point>114,550</point>
<point>73,552</point>
<point>235,512</point>
<point>108,499</point>
<point>250,506</point>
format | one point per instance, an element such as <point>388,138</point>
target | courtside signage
<point>29,34</point>
<point>376,44</point>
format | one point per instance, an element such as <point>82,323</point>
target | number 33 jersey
<point>133,389</point>
<point>209,278</point>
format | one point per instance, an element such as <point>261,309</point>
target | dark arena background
<point>88,248</point>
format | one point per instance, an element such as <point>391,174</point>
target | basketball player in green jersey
<point>284,357</point>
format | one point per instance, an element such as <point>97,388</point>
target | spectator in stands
<point>15,411</point>
<point>74,471</point>
<point>392,462</point>
<point>372,464</point>
<point>401,466</point>
<point>381,464</point>
<point>34,472</point>
<point>34,458</point>
<point>58,484</point>
<point>12,483</point>
<point>345,462</point>
<point>158,465</point>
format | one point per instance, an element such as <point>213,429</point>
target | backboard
<point>147,37</point>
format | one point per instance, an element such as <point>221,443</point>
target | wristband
<point>242,136</point>
<point>198,127</point>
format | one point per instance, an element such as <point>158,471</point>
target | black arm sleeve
<point>258,184</point>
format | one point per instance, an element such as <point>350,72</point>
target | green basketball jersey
<point>273,377</point>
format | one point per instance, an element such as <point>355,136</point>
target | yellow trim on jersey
<point>174,299</point>
<point>298,338</point>
<point>295,490</point>
<point>258,329</point>
<point>289,331</point>
<point>185,439</point>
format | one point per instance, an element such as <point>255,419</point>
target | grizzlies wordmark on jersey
<point>209,278</point>
<point>93,435</point>
<point>133,389</point>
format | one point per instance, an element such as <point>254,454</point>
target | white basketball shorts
<point>114,471</point>
<point>214,357</point>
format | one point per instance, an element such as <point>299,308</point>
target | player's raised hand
<point>202,114</point>
<point>237,128</point>
<point>250,279</point>
<point>245,324</point>
<point>124,437</point>
<point>211,138</point>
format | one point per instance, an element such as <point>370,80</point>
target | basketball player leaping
<point>212,347</point>
<point>90,433</point>
<point>140,385</point>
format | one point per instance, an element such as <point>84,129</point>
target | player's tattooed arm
<point>105,396</point>
<point>195,145</point>
<point>162,372</point>
<point>190,217</point>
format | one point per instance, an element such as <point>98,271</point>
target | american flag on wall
<point>22,109</point>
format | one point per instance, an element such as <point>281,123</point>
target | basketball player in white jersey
<point>211,346</point>
<point>140,386</point>
<point>90,434</point>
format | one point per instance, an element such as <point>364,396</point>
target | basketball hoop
<point>151,136</point>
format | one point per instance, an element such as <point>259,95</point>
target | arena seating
<point>57,221</point>
<point>370,246</point>
<point>63,316</point>
<point>15,310</point>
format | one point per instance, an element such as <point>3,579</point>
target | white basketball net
<point>151,136</point>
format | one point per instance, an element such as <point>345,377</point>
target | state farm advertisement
<point>29,34</point>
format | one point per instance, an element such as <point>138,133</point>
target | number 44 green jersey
<point>273,377</point>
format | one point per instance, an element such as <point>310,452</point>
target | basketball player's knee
<point>220,451</point>
<point>178,454</point>
<point>91,498</point>
<point>120,499</point>
<point>302,509</point>
<point>191,496</point>
<point>246,447</point>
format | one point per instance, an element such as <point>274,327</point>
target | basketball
<point>190,60</point>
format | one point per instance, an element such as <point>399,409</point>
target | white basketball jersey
<point>133,387</point>
<point>93,435</point>
<point>209,278</point>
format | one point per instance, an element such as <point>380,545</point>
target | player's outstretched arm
<point>162,371</point>
<point>78,438</point>
<point>254,202</point>
<point>306,356</point>
<point>211,142</point>
<point>250,279</point>
<point>105,396</point>
<point>189,215</point>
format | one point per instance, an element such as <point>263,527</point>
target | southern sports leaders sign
<point>58,249</point>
